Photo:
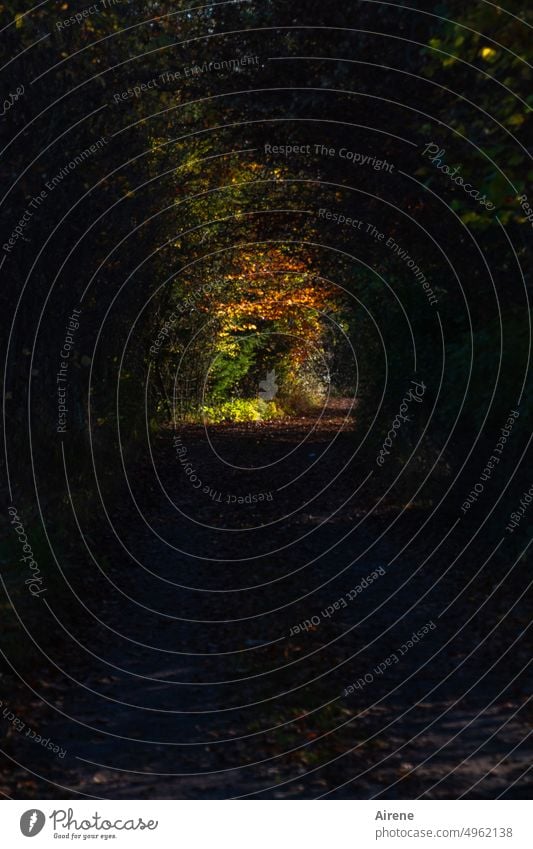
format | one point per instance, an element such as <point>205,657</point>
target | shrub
<point>242,410</point>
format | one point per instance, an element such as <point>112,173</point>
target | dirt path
<point>219,662</point>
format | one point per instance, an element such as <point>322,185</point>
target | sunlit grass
<point>242,410</point>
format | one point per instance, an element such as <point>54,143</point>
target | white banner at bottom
<point>267,824</point>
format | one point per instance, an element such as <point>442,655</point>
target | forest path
<point>203,683</point>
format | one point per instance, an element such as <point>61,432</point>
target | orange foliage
<point>270,285</point>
